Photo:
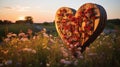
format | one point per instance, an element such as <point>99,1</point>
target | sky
<point>45,10</point>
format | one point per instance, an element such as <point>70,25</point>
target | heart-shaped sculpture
<point>80,28</point>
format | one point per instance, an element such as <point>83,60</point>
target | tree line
<point>28,20</point>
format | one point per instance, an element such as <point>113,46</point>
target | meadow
<point>40,46</point>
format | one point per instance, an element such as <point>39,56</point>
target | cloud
<point>17,8</point>
<point>7,7</point>
<point>22,8</point>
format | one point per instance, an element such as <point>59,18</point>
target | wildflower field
<point>40,49</point>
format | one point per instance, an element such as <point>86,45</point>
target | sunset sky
<point>44,10</point>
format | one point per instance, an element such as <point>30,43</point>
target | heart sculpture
<point>79,28</point>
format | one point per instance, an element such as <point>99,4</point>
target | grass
<point>43,50</point>
<point>16,28</point>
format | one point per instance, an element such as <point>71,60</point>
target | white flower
<point>8,62</point>
<point>27,49</point>
<point>47,64</point>
<point>14,35</point>
<point>45,35</point>
<point>34,51</point>
<point>102,33</point>
<point>47,48</point>
<point>81,57</point>
<point>1,64</point>
<point>9,35</point>
<point>51,35</point>
<point>71,46</point>
<point>79,48</point>
<point>44,29</point>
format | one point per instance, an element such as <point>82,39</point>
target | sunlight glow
<point>21,18</point>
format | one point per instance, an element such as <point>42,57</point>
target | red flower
<point>60,14</point>
<point>93,17</point>
<point>81,31</point>
<point>86,35</point>
<point>81,13</point>
<point>70,16</point>
<point>67,27</point>
<point>88,28</point>
<point>73,19</point>
<point>64,10</point>
<point>88,10</point>
<point>63,20</point>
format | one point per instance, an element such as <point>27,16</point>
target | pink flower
<point>8,62</point>
<point>9,35</point>
<point>7,39</point>
<point>24,39</point>
<point>34,51</point>
<point>30,31</point>
<point>65,62</point>
<point>21,34</point>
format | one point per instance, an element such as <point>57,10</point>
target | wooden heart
<point>80,28</point>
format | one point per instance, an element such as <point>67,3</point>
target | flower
<point>27,49</point>
<point>33,51</point>
<point>9,35</point>
<point>75,62</point>
<point>65,62</point>
<point>45,35</point>
<point>29,31</point>
<point>92,54</point>
<point>5,51</point>
<point>24,39</point>
<point>81,57</point>
<point>63,20</point>
<point>47,64</point>
<point>44,30</point>
<point>21,34</point>
<point>51,40</point>
<point>8,62</point>
<point>7,39</point>
<point>1,64</point>
<point>14,35</point>
<point>35,37</point>
<point>88,28</point>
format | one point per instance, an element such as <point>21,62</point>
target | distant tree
<point>29,19</point>
<point>46,23</point>
<point>7,22</point>
<point>1,22</point>
<point>20,21</point>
